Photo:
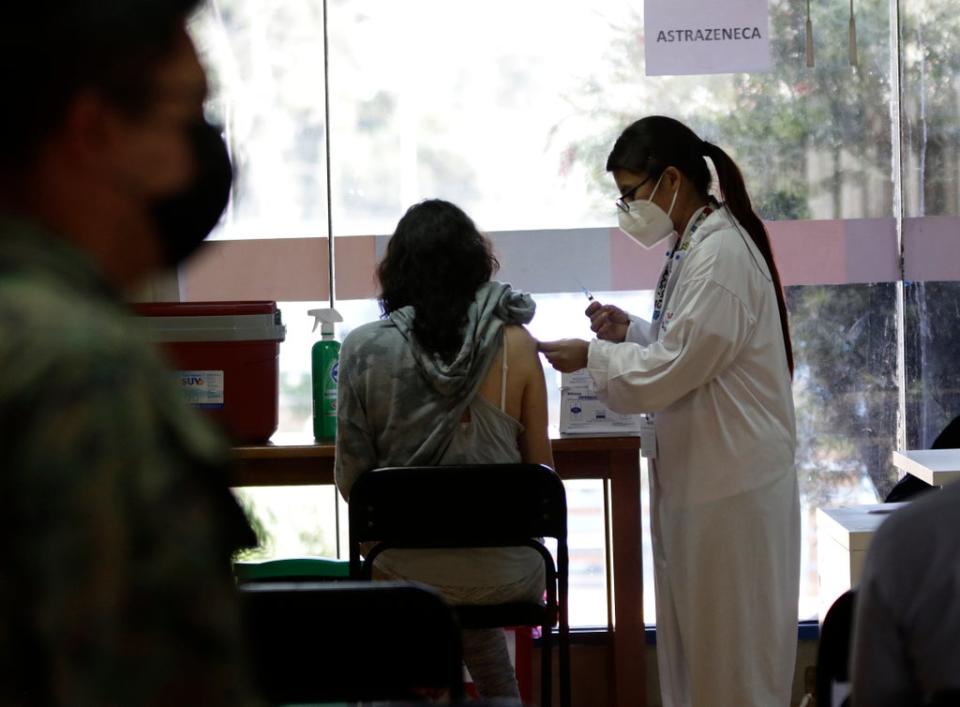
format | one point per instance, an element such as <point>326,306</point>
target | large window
<point>931,238</point>
<point>265,64</point>
<point>509,110</point>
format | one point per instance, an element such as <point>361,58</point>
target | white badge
<point>648,437</point>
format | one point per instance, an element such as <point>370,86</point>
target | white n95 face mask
<point>645,222</point>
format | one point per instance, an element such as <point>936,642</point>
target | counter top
<point>854,526</point>
<point>935,466</point>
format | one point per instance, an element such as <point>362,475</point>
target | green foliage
<point>932,353</point>
<point>775,124</point>
<point>297,393</point>
<point>782,204</point>
<point>930,97</point>
<point>845,340</point>
<point>264,537</point>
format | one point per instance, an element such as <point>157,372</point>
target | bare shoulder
<point>521,345</point>
<point>519,339</point>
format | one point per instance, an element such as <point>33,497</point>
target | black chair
<point>350,641</point>
<point>946,698</point>
<point>833,652</point>
<point>487,505</point>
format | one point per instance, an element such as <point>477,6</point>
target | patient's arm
<point>535,440</point>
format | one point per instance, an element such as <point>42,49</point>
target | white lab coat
<point>725,515</point>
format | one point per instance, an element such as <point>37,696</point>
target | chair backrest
<point>476,505</point>
<point>946,698</point>
<point>833,652</point>
<point>322,642</point>
<point>472,505</point>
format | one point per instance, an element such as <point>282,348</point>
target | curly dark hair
<point>435,261</point>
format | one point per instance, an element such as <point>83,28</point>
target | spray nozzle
<point>326,318</point>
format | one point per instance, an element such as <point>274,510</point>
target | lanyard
<point>674,256</point>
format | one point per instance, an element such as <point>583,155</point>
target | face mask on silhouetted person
<point>185,219</point>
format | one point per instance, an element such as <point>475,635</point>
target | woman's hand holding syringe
<point>608,322</point>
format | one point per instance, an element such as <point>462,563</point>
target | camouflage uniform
<point>117,521</point>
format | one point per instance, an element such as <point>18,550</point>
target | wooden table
<point>615,460</point>
<point>935,466</point>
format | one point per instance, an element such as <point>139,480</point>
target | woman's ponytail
<point>734,193</point>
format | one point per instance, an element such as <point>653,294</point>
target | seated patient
<point>448,376</point>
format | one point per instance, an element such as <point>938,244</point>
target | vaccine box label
<point>579,380</point>
<point>202,389</point>
<point>582,413</point>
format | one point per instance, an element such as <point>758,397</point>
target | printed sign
<point>706,36</point>
<point>203,389</point>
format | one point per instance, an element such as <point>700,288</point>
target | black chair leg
<point>564,676</point>
<point>564,629</point>
<point>546,666</point>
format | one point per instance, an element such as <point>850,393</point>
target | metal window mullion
<point>326,130</point>
<point>897,117</point>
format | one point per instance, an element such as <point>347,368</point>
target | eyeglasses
<point>622,201</point>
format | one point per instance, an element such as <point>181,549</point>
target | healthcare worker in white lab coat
<point>714,366</point>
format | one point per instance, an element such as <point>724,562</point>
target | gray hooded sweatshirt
<point>398,405</point>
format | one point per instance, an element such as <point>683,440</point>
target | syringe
<point>587,292</point>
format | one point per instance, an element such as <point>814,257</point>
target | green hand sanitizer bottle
<point>325,362</point>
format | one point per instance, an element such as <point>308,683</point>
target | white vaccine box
<point>583,413</point>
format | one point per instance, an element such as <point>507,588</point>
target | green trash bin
<point>323,569</point>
